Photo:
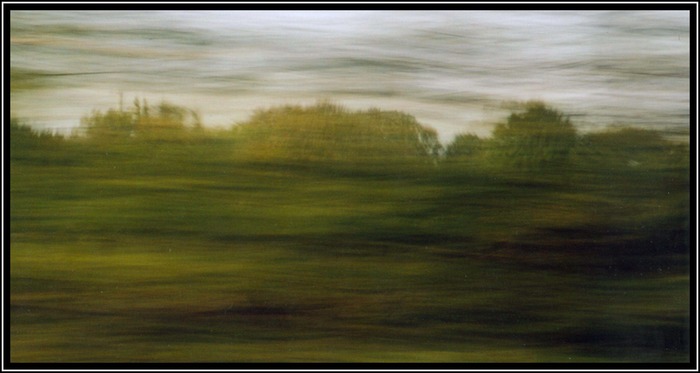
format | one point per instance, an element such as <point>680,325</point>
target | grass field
<point>199,249</point>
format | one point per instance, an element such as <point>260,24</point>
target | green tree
<point>27,143</point>
<point>329,132</point>
<point>169,122</point>
<point>464,146</point>
<point>108,126</point>
<point>627,147</point>
<point>538,138</point>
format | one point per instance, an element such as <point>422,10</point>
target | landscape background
<point>539,211</point>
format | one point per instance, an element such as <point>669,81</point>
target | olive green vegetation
<point>324,234</point>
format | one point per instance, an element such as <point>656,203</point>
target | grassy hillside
<point>324,234</point>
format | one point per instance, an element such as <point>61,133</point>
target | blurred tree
<point>631,147</point>
<point>329,132</point>
<point>20,131</point>
<point>169,123</point>
<point>27,143</point>
<point>464,146</point>
<point>111,125</point>
<point>538,138</point>
<point>22,137</point>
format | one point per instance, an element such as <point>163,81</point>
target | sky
<point>456,71</point>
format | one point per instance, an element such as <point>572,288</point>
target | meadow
<point>323,234</point>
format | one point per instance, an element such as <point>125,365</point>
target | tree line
<point>378,174</point>
<point>536,138</point>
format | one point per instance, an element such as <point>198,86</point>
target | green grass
<point>133,251</point>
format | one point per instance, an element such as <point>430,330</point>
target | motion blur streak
<point>452,70</point>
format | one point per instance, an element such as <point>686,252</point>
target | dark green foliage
<point>630,147</point>
<point>23,133</point>
<point>27,144</point>
<point>465,145</point>
<point>610,175</point>
<point>20,133</point>
<point>538,138</point>
<point>467,152</point>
